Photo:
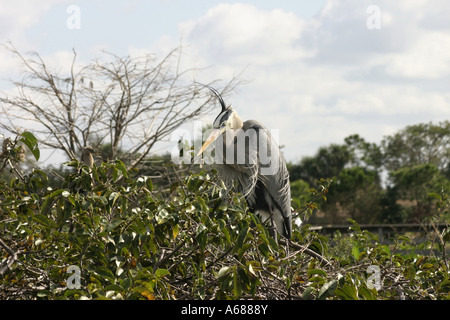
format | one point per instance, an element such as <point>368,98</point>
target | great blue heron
<point>250,156</point>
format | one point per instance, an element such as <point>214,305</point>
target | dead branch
<point>122,105</point>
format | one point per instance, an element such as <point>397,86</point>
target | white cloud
<point>429,58</point>
<point>16,17</point>
<point>242,34</point>
<point>317,79</point>
<point>19,15</point>
<point>325,78</point>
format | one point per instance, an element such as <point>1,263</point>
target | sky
<point>316,71</point>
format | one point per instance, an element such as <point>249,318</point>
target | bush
<point>108,233</point>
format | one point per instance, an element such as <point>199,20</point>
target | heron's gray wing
<point>273,172</point>
<point>277,185</point>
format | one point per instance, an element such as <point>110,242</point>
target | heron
<point>266,190</point>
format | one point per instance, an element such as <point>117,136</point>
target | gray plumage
<point>246,154</point>
<point>265,186</point>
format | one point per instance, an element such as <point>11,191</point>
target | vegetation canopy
<point>111,233</point>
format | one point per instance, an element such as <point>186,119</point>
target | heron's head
<point>226,120</point>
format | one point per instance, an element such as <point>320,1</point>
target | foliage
<point>418,144</point>
<point>328,162</point>
<point>414,184</point>
<point>299,193</point>
<point>381,183</point>
<point>355,195</point>
<point>111,233</point>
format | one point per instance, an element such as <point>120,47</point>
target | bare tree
<point>127,103</point>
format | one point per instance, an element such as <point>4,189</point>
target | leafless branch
<point>123,104</point>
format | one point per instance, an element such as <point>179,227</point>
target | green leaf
<point>200,228</point>
<point>347,291</point>
<point>72,163</point>
<point>202,239</point>
<point>121,166</point>
<point>161,273</point>
<point>63,210</point>
<point>244,248</point>
<point>114,196</point>
<point>446,235</point>
<point>101,199</point>
<point>405,239</point>
<point>367,294</point>
<point>327,289</point>
<point>95,173</point>
<point>31,142</point>
<point>355,252</point>
<point>30,137</point>
<point>237,289</point>
<point>226,234</point>
<point>113,224</point>
<point>114,287</point>
<point>242,235</point>
<point>105,273</point>
<point>317,245</point>
<point>49,200</point>
<point>273,244</point>
<point>264,249</point>
<point>307,294</point>
<point>162,216</point>
<point>175,231</point>
<point>317,278</point>
<point>147,293</point>
<point>444,286</point>
<point>434,195</point>
<point>251,270</point>
<point>316,272</point>
<point>223,272</point>
<point>149,184</point>
<point>42,219</point>
<point>125,283</point>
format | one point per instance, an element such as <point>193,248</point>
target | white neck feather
<point>236,122</point>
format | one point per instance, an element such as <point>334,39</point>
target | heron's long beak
<point>213,136</point>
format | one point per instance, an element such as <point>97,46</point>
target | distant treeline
<point>398,180</point>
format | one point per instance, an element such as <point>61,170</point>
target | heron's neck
<point>236,123</point>
<point>229,136</point>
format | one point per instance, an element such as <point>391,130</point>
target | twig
<point>163,259</point>
<point>10,260</point>
<point>306,250</point>
<point>442,242</point>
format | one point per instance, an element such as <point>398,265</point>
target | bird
<point>87,156</point>
<point>241,153</point>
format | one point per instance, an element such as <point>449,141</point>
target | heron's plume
<point>217,94</point>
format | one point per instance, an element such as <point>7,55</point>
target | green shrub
<point>113,234</point>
